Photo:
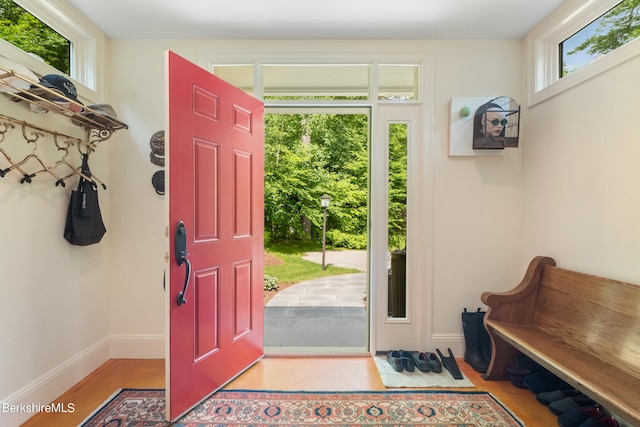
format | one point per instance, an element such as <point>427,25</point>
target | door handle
<point>181,258</point>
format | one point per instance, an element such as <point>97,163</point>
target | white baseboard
<point>46,388</point>
<point>137,346</point>
<point>445,341</point>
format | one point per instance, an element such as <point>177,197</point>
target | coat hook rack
<point>9,123</point>
<point>96,120</point>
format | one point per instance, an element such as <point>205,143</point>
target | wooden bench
<point>585,329</point>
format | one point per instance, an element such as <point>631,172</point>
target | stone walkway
<point>325,312</point>
<point>343,291</point>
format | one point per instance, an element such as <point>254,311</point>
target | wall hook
<point>67,142</point>
<point>89,147</point>
<point>35,136</point>
<point>4,128</point>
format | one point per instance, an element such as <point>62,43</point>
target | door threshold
<point>315,351</point>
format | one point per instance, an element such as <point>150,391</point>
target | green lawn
<point>294,269</point>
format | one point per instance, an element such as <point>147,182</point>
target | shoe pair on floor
<point>574,409</point>
<point>586,417</point>
<point>526,373</point>
<point>425,362</point>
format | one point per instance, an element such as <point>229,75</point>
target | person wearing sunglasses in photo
<point>489,125</point>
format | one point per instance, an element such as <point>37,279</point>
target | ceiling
<point>316,19</point>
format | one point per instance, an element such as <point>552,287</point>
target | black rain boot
<point>485,339</point>
<point>471,323</point>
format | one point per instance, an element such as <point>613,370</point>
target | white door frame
<point>384,334</point>
<point>412,332</point>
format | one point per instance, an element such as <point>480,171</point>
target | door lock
<point>181,258</point>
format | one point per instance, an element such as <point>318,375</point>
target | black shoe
<point>542,381</point>
<point>434,362</point>
<point>576,417</point>
<point>517,374</point>
<point>395,360</point>
<point>567,404</point>
<point>408,361</point>
<point>548,397</point>
<point>422,363</point>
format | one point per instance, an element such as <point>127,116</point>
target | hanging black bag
<point>84,224</point>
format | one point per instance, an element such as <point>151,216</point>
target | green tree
<point>398,185</point>
<point>306,156</point>
<point>344,141</point>
<point>22,29</point>
<point>617,27</point>
<point>292,173</point>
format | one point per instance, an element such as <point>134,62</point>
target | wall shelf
<point>98,127</point>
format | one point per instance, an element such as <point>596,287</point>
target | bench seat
<point>608,385</point>
<point>584,329</point>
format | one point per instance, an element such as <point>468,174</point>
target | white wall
<point>570,191</point>
<point>71,308</point>
<point>138,248</point>
<point>53,312</point>
<point>581,176</point>
<point>477,201</point>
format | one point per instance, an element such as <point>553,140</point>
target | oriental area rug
<point>137,408</point>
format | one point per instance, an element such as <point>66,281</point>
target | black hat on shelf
<point>64,87</point>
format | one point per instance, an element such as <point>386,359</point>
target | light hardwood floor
<point>273,373</point>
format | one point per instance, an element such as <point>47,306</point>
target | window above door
<point>320,82</point>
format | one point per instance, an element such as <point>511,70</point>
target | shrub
<point>339,239</point>
<point>270,283</point>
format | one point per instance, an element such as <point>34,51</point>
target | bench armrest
<point>517,305</point>
<point>514,306</point>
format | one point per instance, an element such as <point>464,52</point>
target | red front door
<point>216,197</point>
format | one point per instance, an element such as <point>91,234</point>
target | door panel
<point>206,191</point>
<point>243,321</point>
<point>216,171</point>
<point>206,303</point>
<point>242,203</point>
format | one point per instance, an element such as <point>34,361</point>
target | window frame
<point>87,45</point>
<point>209,63</point>
<point>543,49</point>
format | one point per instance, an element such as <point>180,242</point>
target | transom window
<point>47,39</point>
<point>315,82</point>
<point>23,30</point>
<point>615,28</point>
<point>321,82</point>
<point>579,41</point>
<point>398,82</point>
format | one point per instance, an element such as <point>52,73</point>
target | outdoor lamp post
<point>324,202</point>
